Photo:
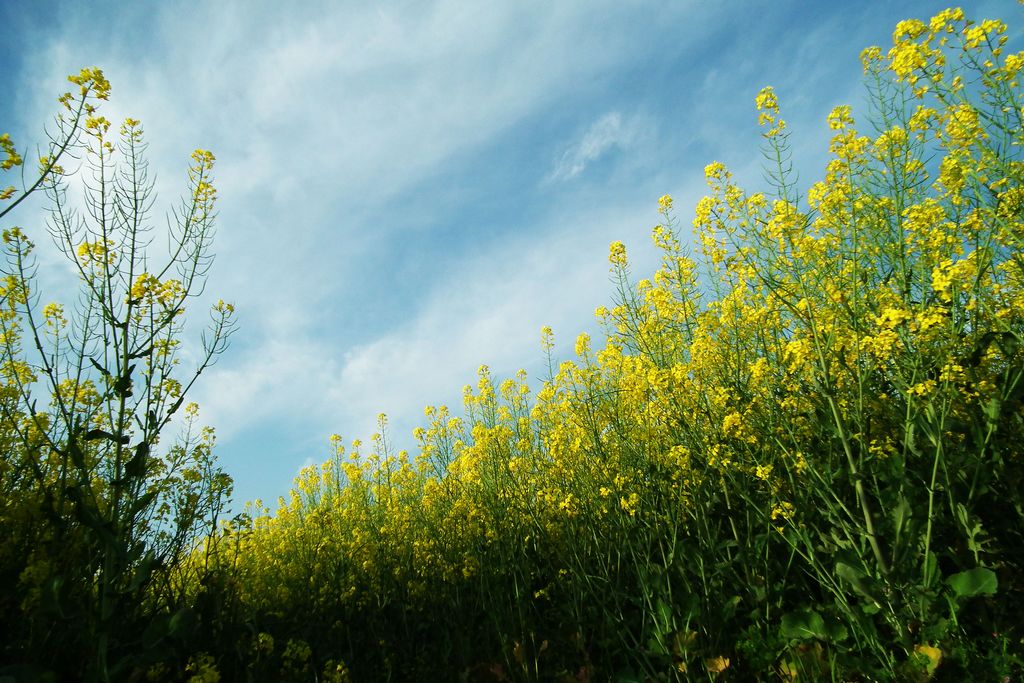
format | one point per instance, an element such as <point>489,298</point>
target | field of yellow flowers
<point>796,456</point>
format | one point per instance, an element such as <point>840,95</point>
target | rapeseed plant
<point>795,454</point>
<point>99,514</point>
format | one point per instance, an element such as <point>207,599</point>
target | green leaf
<point>682,641</point>
<point>663,617</point>
<point>803,624</point>
<point>143,572</point>
<point>926,422</point>
<point>910,439</point>
<point>836,631</point>
<point>993,410</point>
<point>143,502</point>
<point>859,581</point>
<point>155,631</point>
<point>94,434</point>
<point>51,595</point>
<point>182,622</point>
<point>656,646</point>
<point>136,467</point>
<point>973,582</point>
<point>900,515</point>
<point>931,569</point>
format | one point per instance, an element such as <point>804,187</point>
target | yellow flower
<point>940,23</point>
<point>963,128</point>
<point>974,36</point>
<point>931,317</point>
<point>171,387</point>
<point>840,117</point>
<point>870,56</point>
<point>53,313</point>
<point>893,317</point>
<point>567,505</point>
<point>547,338</point>
<point>98,124</point>
<point>13,158</point>
<point>931,656</point>
<point>629,504</point>
<point>767,101</point>
<point>96,253</point>
<point>909,29</point>
<point>952,373</point>
<point>617,254</point>
<point>582,344</point>
<point>732,424</point>
<point>203,158</point>
<point>1013,63</point>
<point>924,388</point>
<point>716,665</point>
<point>92,79</point>
<point>942,279</point>
<point>783,510</point>
<point>715,170</point>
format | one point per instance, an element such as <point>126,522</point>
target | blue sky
<point>408,190</point>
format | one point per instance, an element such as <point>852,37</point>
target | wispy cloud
<point>605,134</point>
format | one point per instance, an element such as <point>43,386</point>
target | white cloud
<point>602,135</point>
<point>278,378</point>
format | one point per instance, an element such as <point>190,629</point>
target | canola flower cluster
<point>793,453</point>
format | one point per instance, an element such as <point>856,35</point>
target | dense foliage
<point>796,456</point>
